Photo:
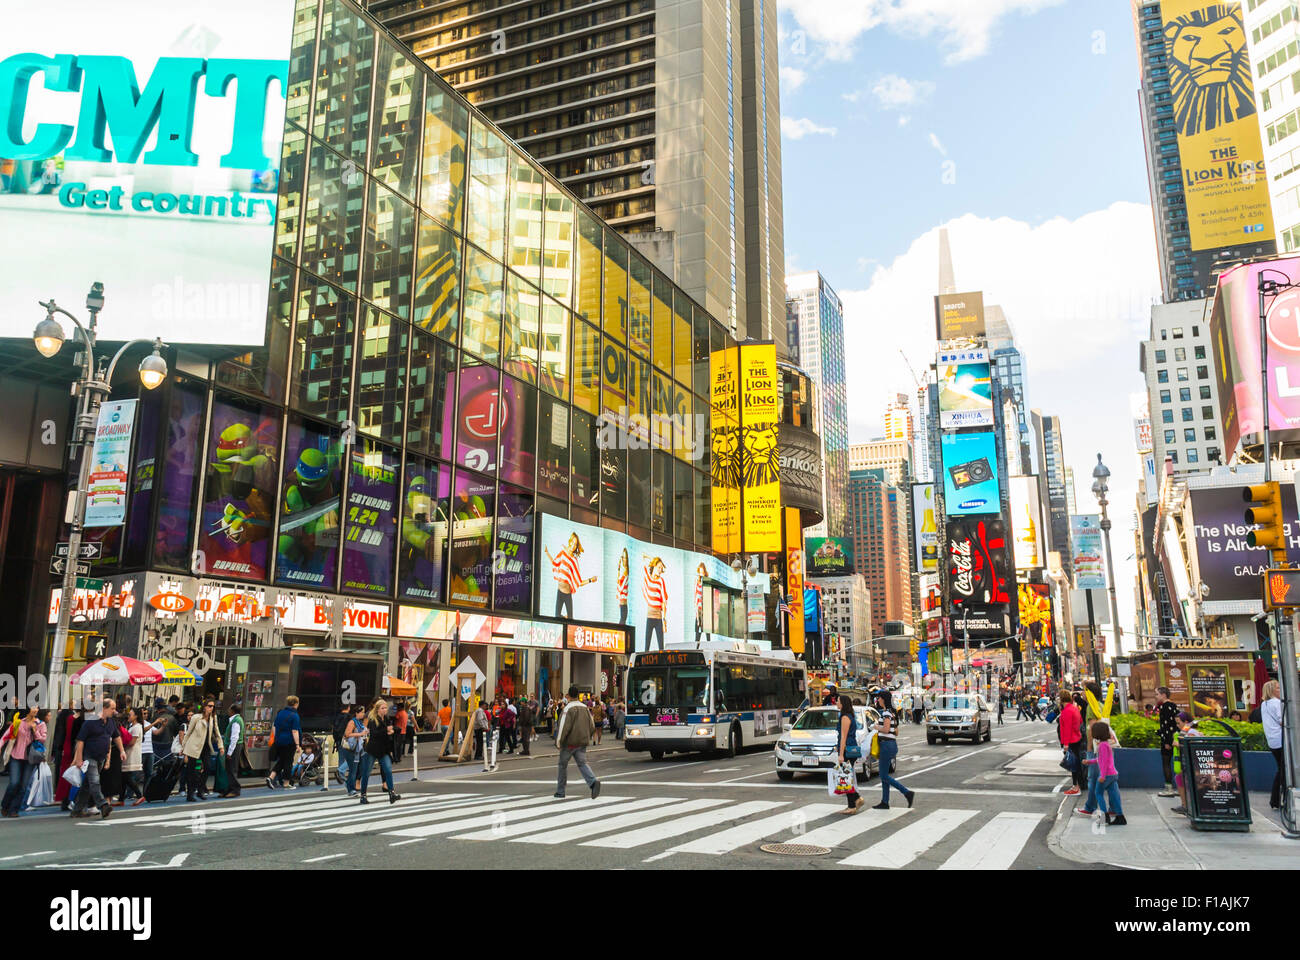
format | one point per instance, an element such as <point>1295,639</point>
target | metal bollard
<point>415,758</point>
<point>325,760</point>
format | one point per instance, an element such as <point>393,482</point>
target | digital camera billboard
<point>970,474</point>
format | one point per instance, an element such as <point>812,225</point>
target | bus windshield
<point>668,687</point>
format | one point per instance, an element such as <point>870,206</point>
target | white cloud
<point>792,78</point>
<point>904,120</point>
<point>938,144</point>
<point>796,128</point>
<point>853,97</point>
<point>1077,294</point>
<point>964,27</point>
<point>894,92</point>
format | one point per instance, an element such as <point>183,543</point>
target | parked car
<point>961,715</point>
<point>811,743</point>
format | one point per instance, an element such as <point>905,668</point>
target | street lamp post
<point>93,385</point>
<point>1100,475</point>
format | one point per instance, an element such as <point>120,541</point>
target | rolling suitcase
<point>165,773</point>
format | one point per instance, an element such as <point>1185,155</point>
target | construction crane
<point>920,382</point>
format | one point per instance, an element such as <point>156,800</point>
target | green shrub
<point>1135,730</point>
<point>1252,734</point>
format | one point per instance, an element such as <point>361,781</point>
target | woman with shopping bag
<point>849,751</point>
<point>27,739</point>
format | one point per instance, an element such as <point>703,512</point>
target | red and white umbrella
<point>115,670</point>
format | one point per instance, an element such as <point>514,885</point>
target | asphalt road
<point>987,807</point>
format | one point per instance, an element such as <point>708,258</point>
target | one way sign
<point>88,551</point>
<point>59,566</point>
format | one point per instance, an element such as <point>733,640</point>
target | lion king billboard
<point>1222,157</point>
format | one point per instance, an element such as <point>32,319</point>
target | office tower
<point>815,330</point>
<point>898,419</point>
<point>878,527</point>
<point>1071,504</point>
<point>1008,365</point>
<point>892,456</point>
<point>846,611</point>
<point>663,115</point>
<point>1182,392</point>
<point>1051,482</point>
<point>1273,32</point>
<point>1201,229</point>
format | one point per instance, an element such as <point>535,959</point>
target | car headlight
<point>704,731</point>
<point>633,732</point>
<point>783,745</point>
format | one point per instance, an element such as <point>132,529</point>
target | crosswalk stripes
<point>902,847</point>
<point>675,828</point>
<point>663,826</point>
<point>995,845</point>
<point>737,837</point>
<point>580,815</point>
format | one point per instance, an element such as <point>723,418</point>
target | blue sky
<point>1015,125</point>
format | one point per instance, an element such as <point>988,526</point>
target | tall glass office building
<point>452,340</point>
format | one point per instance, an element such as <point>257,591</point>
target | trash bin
<point>1214,773</point>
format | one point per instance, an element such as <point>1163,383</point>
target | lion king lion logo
<point>1209,69</point>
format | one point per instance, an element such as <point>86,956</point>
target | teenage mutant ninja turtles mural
<point>421,558</point>
<point>368,535</point>
<point>308,542</point>
<point>238,493</point>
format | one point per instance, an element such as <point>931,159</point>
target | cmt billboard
<point>1234,333</point>
<point>965,389</point>
<point>1219,147</point>
<point>145,150</point>
<point>970,473</point>
<point>959,316</point>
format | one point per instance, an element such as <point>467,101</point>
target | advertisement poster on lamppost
<point>110,465</point>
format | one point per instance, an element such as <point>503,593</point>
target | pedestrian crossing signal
<point>1281,589</point>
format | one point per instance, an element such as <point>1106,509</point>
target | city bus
<point>711,696</point>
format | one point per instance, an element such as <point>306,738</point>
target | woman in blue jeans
<point>379,746</point>
<point>888,741</point>
<point>354,736</point>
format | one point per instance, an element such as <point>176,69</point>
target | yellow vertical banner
<point>794,634</point>
<point>724,446</point>
<point>760,404</point>
<point>1214,113</point>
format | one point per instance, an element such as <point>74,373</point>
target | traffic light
<point>914,647</point>
<point>1266,511</point>
<point>1281,589</point>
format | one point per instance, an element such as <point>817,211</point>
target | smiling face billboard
<point>145,149</point>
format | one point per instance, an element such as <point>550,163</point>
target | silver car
<point>811,744</point>
<point>963,715</point>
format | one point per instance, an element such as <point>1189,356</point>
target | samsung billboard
<point>145,151</point>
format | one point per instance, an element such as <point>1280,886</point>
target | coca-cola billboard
<point>977,588</point>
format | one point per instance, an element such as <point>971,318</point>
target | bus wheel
<point>734,745</point>
<point>656,754</point>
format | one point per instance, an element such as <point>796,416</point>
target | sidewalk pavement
<point>1156,839</point>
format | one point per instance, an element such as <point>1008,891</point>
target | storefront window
<point>481,327</point>
<point>557,247</point>
<point>553,374</point>
<point>317,682</point>
<point>587,305</point>
<point>479,416</point>
<point>585,489</point>
<point>446,123</point>
<point>473,504</point>
<point>662,328</point>
<point>527,203</point>
<point>322,376</point>
<point>512,665</point>
<point>431,395</point>
<point>513,567</point>
<point>488,189</point>
<point>586,367</point>
<point>437,280</point>
<point>548,676</point>
<point>422,554</point>
<point>308,537</point>
<point>261,372</point>
<point>518,431</point>
<point>478,652</point>
<point>639,327</point>
<point>390,251</point>
<point>342,110</point>
<point>616,253</point>
<point>371,519</point>
<point>331,241</point>
<point>553,447</point>
<point>521,329</point>
<point>381,375</point>
<point>240,489</point>
<point>399,90</point>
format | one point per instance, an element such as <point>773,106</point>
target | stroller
<point>313,770</point>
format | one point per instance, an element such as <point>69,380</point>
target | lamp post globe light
<point>92,387</point>
<point>1100,487</point>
